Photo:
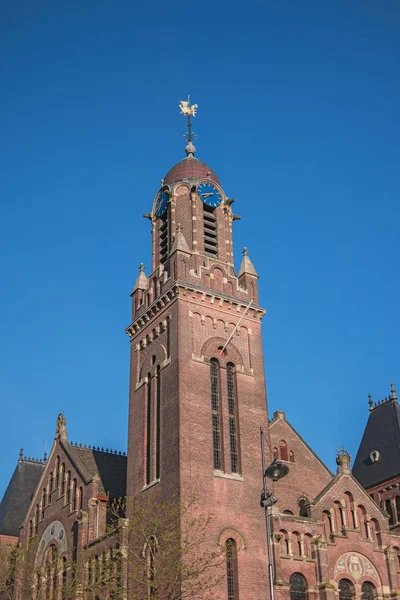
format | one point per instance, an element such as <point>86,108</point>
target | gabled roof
<point>108,468</point>
<point>18,495</point>
<point>382,434</point>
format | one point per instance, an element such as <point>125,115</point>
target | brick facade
<point>197,401</point>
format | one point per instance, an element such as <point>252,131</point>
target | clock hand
<point>207,195</point>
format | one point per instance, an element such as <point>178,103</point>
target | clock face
<point>162,203</point>
<point>209,194</point>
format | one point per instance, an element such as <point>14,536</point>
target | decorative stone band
<point>180,289</point>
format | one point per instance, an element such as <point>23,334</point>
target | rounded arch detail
<point>356,567</point>
<point>231,532</point>
<point>55,533</point>
<point>232,354</point>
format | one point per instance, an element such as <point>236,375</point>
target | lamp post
<point>275,471</point>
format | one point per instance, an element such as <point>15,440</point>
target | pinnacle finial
<point>179,228</point>
<point>141,267</point>
<point>45,456</point>
<point>245,251</point>
<point>370,402</point>
<point>393,394</point>
<point>21,455</point>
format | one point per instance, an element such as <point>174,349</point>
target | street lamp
<point>275,471</point>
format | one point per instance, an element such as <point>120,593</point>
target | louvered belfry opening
<point>210,231</point>
<point>164,237</point>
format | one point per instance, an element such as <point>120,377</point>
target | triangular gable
<point>353,486</point>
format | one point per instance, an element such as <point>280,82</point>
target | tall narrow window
<point>232,569</point>
<point>233,419</point>
<point>80,498</point>
<point>51,480</point>
<point>37,517</point>
<point>57,477</point>
<point>68,487</point>
<point>62,478</point>
<point>44,501</point>
<point>74,502</point>
<point>210,231</point>
<point>298,587</point>
<point>149,431</point>
<point>158,423</point>
<point>216,414</point>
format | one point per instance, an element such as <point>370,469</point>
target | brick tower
<point>195,407</point>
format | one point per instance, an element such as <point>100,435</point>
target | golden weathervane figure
<point>190,111</point>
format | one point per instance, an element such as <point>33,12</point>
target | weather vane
<point>189,110</point>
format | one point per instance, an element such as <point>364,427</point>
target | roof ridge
<point>81,446</point>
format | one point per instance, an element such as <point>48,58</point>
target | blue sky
<point>298,115</point>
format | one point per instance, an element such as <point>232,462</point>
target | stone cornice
<point>182,288</point>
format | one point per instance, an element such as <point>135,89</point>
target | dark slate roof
<point>109,468</point>
<point>18,495</point>
<point>382,433</point>
<point>190,168</point>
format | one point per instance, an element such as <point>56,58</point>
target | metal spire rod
<point>235,328</point>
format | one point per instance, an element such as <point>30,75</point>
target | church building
<point>196,404</point>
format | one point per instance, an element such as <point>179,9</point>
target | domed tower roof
<point>190,168</point>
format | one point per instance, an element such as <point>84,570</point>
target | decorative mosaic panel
<point>356,565</point>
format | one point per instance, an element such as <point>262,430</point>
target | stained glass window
<point>298,587</point>
<point>346,590</point>
<point>231,569</point>
<point>367,591</point>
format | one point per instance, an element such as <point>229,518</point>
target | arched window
<point>284,542</point>
<point>57,477</point>
<point>296,544</point>
<point>30,528</point>
<point>389,510</point>
<point>349,501</point>
<point>80,498</point>
<point>275,452</point>
<point>216,413</point>
<point>298,587</point>
<point>376,532</point>
<point>149,431</point>
<point>362,521</point>
<point>62,477</point>
<point>158,423</point>
<point>51,482</point>
<point>338,516</point>
<point>367,591</point>
<point>346,590</point>
<point>328,526</point>
<point>233,419</point>
<point>307,545</point>
<point>68,487</point>
<point>291,456</point>
<point>74,499</point>
<point>232,569</point>
<point>283,450</point>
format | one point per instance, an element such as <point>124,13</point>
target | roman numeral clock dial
<point>161,203</point>
<point>209,194</point>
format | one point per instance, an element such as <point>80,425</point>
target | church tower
<point>197,386</point>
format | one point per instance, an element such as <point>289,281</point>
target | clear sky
<point>298,115</point>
